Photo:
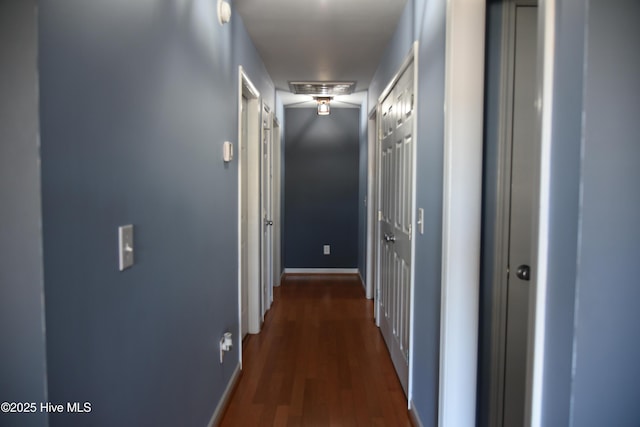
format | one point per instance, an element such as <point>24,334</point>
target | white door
<point>265,208</point>
<point>276,154</point>
<point>396,207</point>
<point>244,218</point>
<point>523,188</point>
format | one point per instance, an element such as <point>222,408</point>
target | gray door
<point>523,188</point>
<point>396,206</point>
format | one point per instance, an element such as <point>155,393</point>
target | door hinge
<point>410,230</point>
<point>379,215</point>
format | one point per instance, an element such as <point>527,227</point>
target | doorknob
<point>523,272</point>
<point>268,222</point>
<point>389,238</point>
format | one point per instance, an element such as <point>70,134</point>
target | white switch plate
<point>227,151</point>
<point>125,246</point>
<point>326,249</point>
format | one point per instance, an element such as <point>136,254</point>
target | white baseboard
<point>216,418</point>
<point>415,418</point>
<point>320,271</point>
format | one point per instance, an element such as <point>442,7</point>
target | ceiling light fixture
<point>322,88</point>
<point>323,105</point>
<point>224,12</point>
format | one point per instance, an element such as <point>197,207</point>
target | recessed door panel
<point>523,189</point>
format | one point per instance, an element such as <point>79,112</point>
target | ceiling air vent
<point>322,88</point>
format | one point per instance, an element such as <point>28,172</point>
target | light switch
<point>227,151</point>
<point>421,220</point>
<point>326,249</point>
<point>125,246</point>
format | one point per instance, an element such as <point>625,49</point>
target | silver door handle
<point>389,238</point>
<point>268,222</point>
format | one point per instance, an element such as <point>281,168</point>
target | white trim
<point>407,61</point>
<point>321,271</point>
<point>535,369</point>
<point>245,83</point>
<point>462,178</point>
<point>216,418</point>
<point>372,220</point>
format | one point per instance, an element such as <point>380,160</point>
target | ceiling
<point>320,40</point>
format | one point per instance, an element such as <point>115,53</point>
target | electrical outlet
<point>326,249</point>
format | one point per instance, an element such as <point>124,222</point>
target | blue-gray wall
<point>592,280</point>
<point>424,21</point>
<point>362,191</point>
<point>564,210</point>
<point>321,188</point>
<point>22,334</point>
<point>136,101</point>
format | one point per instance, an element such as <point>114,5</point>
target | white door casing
<point>266,189</point>
<point>244,221</point>
<point>275,201</point>
<point>461,211</point>
<point>372,194</point>
<point>249,203</point>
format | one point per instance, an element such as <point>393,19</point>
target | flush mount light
<point>323,105</point>
<point>322,88</point>
<point>224,12</point>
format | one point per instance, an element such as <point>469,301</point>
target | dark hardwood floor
<point>319,361</point>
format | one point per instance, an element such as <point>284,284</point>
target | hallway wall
<point>136,101</point>
<point>363,166</point>
<point>321,184</point>
<point>424,20</point>
<point>23,357</point>
<point>592,346</point>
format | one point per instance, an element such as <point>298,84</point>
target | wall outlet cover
<point>326,249</point>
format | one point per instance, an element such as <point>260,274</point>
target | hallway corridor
<point>320,360</point>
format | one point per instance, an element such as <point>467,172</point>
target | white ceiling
<point>320,40</point>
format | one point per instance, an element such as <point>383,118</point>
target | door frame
<point>461,210</point>
<point>252,263</point>
<point>372,203</point>
<point>537,308</point>
<point>411,58</point>
<point>266,192</point>
<point>276,199</point>
<point>503,208</point>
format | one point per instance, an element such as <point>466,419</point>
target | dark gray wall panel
<point>321,188</point>
<point>22,358</point>
<point>607,339</point>
<point>136,101</point>
<point>493,58</point>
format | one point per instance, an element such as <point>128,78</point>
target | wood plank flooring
<point>319,361</point>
